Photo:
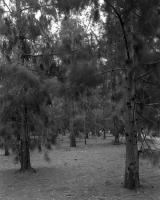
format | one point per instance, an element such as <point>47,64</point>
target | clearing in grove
<point>91,172</point>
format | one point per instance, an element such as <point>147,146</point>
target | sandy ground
<point>92,172</point>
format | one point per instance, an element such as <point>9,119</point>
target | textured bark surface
<point>25,156</point>
<point>132,158</point>
<point>132,163</point>
<point>25,143</point>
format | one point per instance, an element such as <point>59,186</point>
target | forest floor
<point>91,172</point>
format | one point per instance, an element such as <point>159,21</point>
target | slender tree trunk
<point>116,138</point>
<point>6,149</point>
<point>72,133</point>
<point>103,107</point>
<point>95,126</point>
<point>115,120</point>
<point>104,134</point>
<point>116,132</point>
<point>132,157</point>
<point>84,127</point>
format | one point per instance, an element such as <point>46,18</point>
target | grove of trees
<point>82,66</point>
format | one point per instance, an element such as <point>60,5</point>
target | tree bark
<point>24,144</point>
<point>25,156</point>
<point>132,158</point>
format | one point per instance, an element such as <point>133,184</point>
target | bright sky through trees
<point>84,16</point>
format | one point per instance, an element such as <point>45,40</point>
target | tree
<point>131,26</point>
<point>81,72</point>
<point>22,102</point>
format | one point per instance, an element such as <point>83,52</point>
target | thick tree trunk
<point>132,158</point>
<point>25,156</point>
<point>24,144</point>
<point>24,153</point>
<point>132,163</point>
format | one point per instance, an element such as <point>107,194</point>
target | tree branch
<point>151,83</point>
<point>152,104</point>
<point>122,26</point>
<point>40,6</point>
<point>144,74</point>
<point>145,118</point>
<point>152,63</point>
<point>50,54</point>
<point>5,4</point>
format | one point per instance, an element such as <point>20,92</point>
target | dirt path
<point>94,172</point>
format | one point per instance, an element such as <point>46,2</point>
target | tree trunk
<point>84,127</point>
<point>116,138</point>
<point>25,156</point>
<point>24,144</point>
<point>72,133</point>
<point>116,132</point>
<point>132,163</point>
<point>72,140</point>
<point>104,134</point>
<point>6,150</point>
<point>87,137</point>
<point>132,158</point>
